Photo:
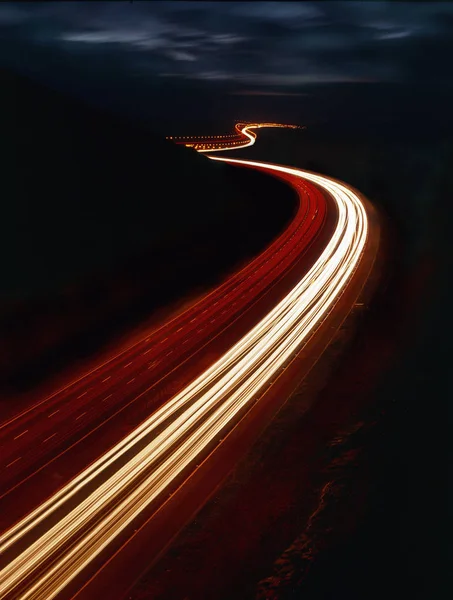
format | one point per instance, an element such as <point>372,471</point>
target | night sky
<point>192,60</point>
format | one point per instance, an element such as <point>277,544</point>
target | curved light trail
<point>139,468</point>
<point>245,132</point>
<point>247,138</point>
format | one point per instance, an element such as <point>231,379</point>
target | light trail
<point>243,129</point>
<point>251,136</point>
<point>156,453</point>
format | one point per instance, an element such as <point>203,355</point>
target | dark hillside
<point>82,188</point>
<point>103,222</point>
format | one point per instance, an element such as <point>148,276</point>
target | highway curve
<point>171,412</point>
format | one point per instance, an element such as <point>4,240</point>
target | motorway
<point>173,412</point>
<point>52,431</point>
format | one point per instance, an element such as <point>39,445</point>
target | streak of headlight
<point>193,418</point>
<point>245,131</point>
<point>251,135</point>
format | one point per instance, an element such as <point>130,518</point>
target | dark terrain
<point>104,223</point>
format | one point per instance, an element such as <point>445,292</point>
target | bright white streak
<point>252,137</point>
<point>245,131</point>
<point>228,386</point>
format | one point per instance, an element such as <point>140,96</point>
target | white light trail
<point>176,434</point>
<point>246,131</point>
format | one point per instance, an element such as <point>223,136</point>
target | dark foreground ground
<point>401,544</point>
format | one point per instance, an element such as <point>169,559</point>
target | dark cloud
<point>305,39</point>
<point>274,47</point>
